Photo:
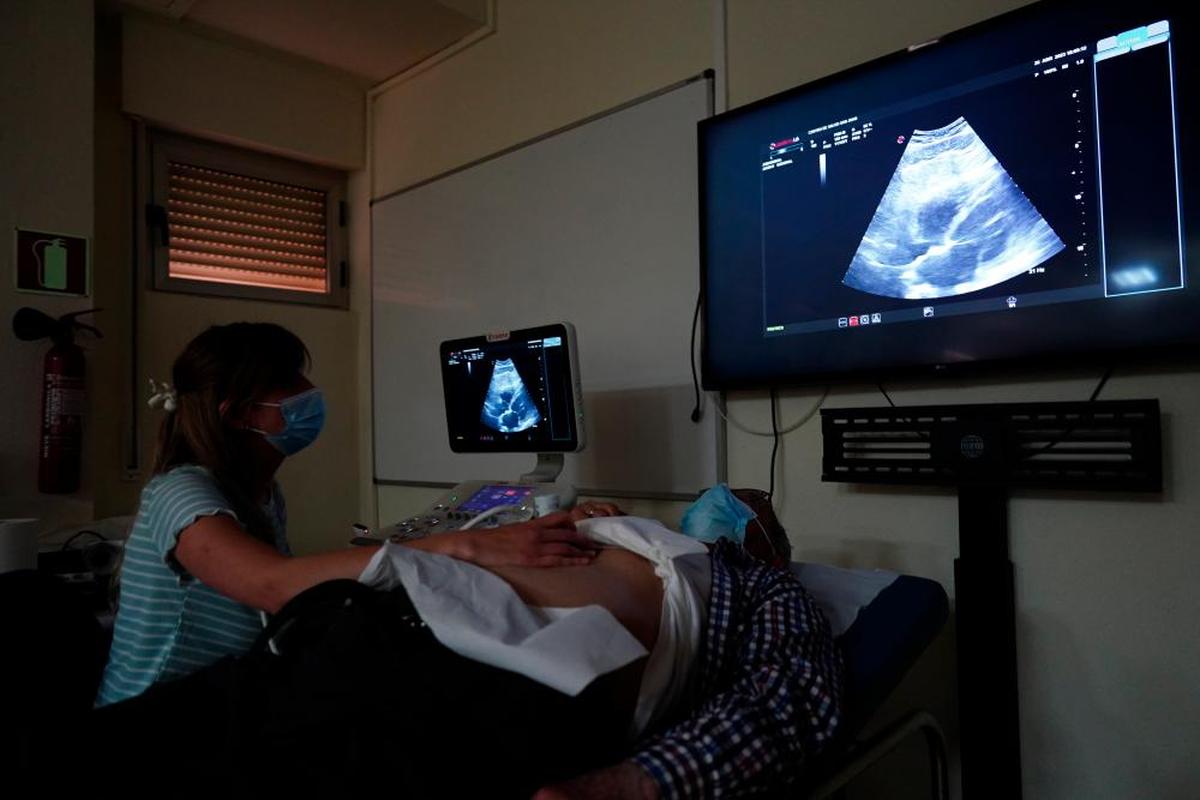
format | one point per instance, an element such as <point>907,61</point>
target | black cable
<point>1096,392</point>
<point>1074,424</point>
<point>886,396</point>
<point>907,420</point>
<point>692,357</point>
<point>1049,445</point>
<point>774,445</point>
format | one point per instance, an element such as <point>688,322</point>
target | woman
<point>208,551</point>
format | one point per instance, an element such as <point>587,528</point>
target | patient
<point>638,608</point>
<point>763,692</point>
<point>740,685</point>
<point>370,700</point>
<point>621,582</point>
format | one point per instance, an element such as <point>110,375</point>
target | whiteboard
<point>595,224</point>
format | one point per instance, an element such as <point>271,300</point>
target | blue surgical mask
<point>303,417</point>
<point>716,514</point>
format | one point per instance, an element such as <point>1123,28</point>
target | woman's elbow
<point>271,594</point>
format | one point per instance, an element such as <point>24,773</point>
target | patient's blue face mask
<point>303,417</point>
<point>716,514</point>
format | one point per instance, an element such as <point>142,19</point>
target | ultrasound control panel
<point>492,503</point>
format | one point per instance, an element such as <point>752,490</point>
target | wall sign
<point>51,263</point>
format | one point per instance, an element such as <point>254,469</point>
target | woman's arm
<point>217,551</point>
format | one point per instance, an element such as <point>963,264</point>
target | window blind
<point>230,228</point>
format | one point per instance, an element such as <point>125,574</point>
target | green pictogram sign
<point>51,263</point>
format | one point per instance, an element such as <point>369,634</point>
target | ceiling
<point>373,39</point>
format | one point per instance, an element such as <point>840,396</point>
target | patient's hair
<point>233,363</point>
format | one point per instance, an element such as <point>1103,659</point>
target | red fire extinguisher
<point>64,396</point>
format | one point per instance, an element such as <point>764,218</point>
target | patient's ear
<point>766,539</point>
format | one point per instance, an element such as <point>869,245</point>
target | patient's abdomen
<point>620,581</point>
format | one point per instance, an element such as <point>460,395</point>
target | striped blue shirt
<point>169,623</point>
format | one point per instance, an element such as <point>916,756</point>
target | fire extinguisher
<point>64,396</point>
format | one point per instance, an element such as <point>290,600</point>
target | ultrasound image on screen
<point>951,221</point>
<point>510,395</point>
<point>957,197</point>
<point>1015,192</point>
<point>508,407</point>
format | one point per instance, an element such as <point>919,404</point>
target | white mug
<point>18,544</point>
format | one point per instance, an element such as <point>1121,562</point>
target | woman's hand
<point>549,541</point>
<point>590,509</point>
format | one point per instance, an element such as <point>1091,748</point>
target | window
<point>238,223</point>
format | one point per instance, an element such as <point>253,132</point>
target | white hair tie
<point>163,395</point>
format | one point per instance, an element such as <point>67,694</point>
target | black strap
<point>323,597</point>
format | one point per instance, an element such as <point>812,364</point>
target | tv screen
<point>1023,190</point>
<point>513,392</point>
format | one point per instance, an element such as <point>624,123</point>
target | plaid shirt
<point>768,688</point>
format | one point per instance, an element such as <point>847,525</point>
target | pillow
<point>842,593</point>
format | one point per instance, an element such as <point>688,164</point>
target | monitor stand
<point>549,467</point>
<point>985,451</point>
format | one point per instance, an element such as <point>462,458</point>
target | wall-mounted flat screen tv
<point>1021,191</point>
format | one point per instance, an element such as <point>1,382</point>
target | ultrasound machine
<point>511,392</point>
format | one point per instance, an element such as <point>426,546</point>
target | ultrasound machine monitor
<point>514,392</point>
<point>1024,189</point>
<point>511,392</point>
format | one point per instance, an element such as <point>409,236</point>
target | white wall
<point>65,160</point>
<point>548,64</point>
<point>200,82</point>
<point>46,184</point>
<point>176,76</point>
<point>1105,596</point>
